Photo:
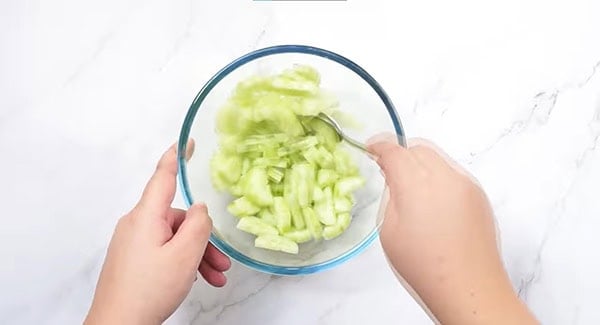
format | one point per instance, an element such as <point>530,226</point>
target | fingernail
<point>189,149</point>
<point>200,205</point>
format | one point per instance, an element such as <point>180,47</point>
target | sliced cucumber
<point>267,216</point>
<point>242,207</point>
<point>256,226</point>
<point>343,220</point>
<point>330,232</point>
<point>325,158</point>
<point>325,133</point>
<point>303,175</point>
<point>276,243</point>
<point>225,170</point>
<point>326,177</point>
<point>291,177</point>
<point>342,204</point>
<point>324,208</point>
<point>275,175</point>
<point>299,236</point>
<point>346,186</point>
<point>282,214</point>
<point>312,223</point>
<point>318,194</point>
<point>256,187</point>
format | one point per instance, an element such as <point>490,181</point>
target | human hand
<point>155,254</point>
<point>440,237</point>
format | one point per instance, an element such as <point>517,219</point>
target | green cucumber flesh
<point>256,226</point>
<point>276,243</point>
<point>291,177</point>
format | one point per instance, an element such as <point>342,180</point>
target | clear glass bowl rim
<point>195,106</point>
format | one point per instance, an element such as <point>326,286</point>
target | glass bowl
<point>359,95</point>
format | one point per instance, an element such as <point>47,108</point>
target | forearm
<point>478,303</point>
<point>466,298</point>
<point>114,313</point>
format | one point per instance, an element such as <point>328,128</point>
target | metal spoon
<point>329,120</point>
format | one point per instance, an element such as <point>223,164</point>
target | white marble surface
<point>91,92</point>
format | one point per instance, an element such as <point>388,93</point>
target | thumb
<point>394,160</point>
<point>191,237</point>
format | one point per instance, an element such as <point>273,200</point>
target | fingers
<point>174,218</point>
<point>191,238</point>
<point>212,276</point>
<point>428,152</point>
<point>160,190</point>
<point>395,161</point>
<point>216,258</point>
<point>383,137</point>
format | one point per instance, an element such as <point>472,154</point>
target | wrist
<point>459,295</point>
<point>104,314</point>
<point>468,300</point>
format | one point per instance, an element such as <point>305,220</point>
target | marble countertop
<point>91,92</point>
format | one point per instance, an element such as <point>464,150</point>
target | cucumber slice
<point>282,214</point>
<point>247,88</point>
<point>231,118</point>
<point>256,226</point>
<point>242,207</point>
<point>246,165</point>
<point>256,187</point>
<point>330,232</point>
<point>343,163</point>
<point>318,194</point>
<point>276,243</point>
<point>299,236</point>
<point>303,179</point>
<point>312,155</point>
<point>324,208</point>
<point>303,72</point>
<point>267,216</point>
<point>288,189</point>
<point>225,170</point>
<point>342,204</point>
<point>325,158</point>
<point>324,133</point>
<point>236,190</point>
<point>292,86</point>
<point>326,177</point>
<point>228,144</point>
<point>346,186</point>
<point>303,144</point>
<point>312,223</point>
<point>271,162</point>
<point>297,217</point>
<point>275,174</point>
<point>277,189</point>
<point>343,220</point>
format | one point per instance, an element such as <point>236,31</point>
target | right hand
<point>440,237</point>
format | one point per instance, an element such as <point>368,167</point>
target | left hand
<point>155,254</point>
